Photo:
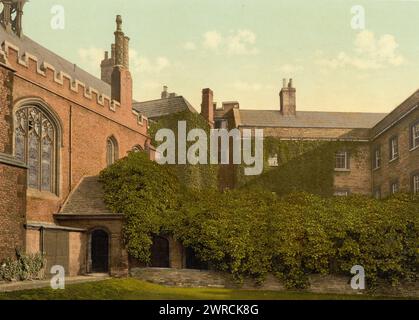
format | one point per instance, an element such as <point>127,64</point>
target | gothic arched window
<point>111,151</point>
<point>35,145</point>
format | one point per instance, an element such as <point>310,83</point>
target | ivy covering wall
<point>302,166</point>
<point>192,176</point>
<point>259,232</point>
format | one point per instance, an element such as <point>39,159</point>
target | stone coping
<point>10,160</point>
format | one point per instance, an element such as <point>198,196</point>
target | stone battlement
<point>45,74</point>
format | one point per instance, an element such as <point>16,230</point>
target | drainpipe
<point>70,146</point>
<point>42,240</point>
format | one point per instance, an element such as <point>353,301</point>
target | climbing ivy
<point>302,166</point>
<point>193,176</point>
<point>258,232</point>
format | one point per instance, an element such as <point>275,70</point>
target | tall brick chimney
<point>287,98</point>
<point>207,106</point>
<point>121,80</point>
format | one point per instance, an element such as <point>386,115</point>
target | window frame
<point>341,193</point>
<point>347,166</point>
<point>273,160</point>
<point>377,161</point>
<point>414,187</point>
<point>115,150</point>
<point>394,183</point>
<point>413,143</point>
<point>55,122</point>
<point>394,155</point>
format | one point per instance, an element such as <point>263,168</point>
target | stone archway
<point>99,251</point>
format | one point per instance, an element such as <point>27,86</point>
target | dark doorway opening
<point>160,253</point>
<point>100,251</point>
<point>193,262</point>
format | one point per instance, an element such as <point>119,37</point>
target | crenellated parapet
<point>44,74</point>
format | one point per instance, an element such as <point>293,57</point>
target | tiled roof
<point>87,198</point>
<point>309,119</point>
<point>407,106</point>
<point>26,44</point>
<point>162,107</point>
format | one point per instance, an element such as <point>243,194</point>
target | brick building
<point>388,157</point>
<point>59,127</point>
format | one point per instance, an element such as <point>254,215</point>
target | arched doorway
<point>99,251</point>
<point>160,253</point>
<point>193,262</point>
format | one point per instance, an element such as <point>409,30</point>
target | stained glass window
<point>35,137</point>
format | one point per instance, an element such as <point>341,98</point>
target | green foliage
<point>255,232</point>
<point>192,176</point>
<point>24,267</point>
<point>302,166</point>
<point>301,234</point>
<point>146,193</point>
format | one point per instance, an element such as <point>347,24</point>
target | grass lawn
<point>132,289</point>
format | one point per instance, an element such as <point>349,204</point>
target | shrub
<point>146,193</point>
<point>255,232</point>
<point>24,267</point>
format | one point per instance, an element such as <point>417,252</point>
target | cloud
<point>91,58</point>
<point>144,64</point>
<point>242,42</point>
<point>189,46</point>
<point>212,40</point>
<point>370,52</point>
<point>237,42</point>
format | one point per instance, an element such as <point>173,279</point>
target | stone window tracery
<point>35,138</point>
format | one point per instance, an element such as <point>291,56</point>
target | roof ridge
<point>138,102</point>
<point>309,111</point>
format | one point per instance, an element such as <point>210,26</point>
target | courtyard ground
<point>133,289</point>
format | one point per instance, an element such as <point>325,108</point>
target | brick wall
<point>12,176</point>
<point>6,100</point>
<point>12,209</point>
<point>408,161</point>
<point>358,178</point>
<point>118,256</point>
<point>85,127</point>
<point>355,180</point>
<point>78,253</point>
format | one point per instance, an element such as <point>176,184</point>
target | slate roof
<point>155,109</point>
<point>86,199</point>
<point>25,44</point>
<point>407,106</point>
<point>309,119</point>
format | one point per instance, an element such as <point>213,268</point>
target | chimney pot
<point>288,99</point>
<point>165,94</point>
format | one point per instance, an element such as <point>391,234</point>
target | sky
<point>242,49</point>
